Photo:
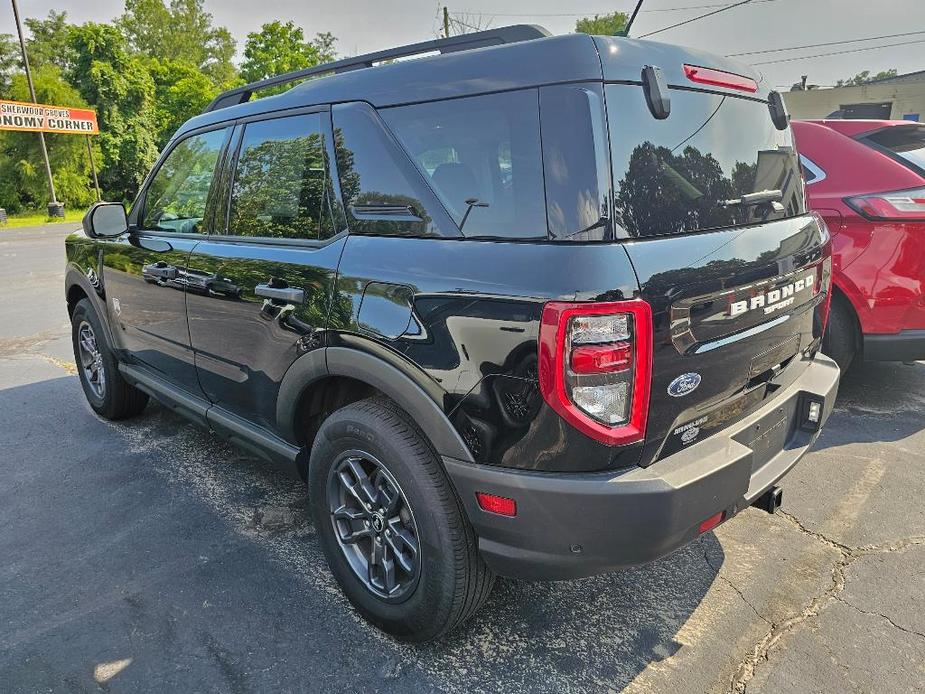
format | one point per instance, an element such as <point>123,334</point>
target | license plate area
<point>770,435</point>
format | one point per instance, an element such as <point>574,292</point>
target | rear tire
<point>842,335</point>
<point>447,580</point>
<point>108,393</point>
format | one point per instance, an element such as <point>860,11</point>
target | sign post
<point>96,183</point>
<point>55,209</point>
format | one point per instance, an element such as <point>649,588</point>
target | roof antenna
<point>626,30</point>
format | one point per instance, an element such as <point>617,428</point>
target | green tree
<point>9,62</point>
<point>279,48</point>
<point>865,77</point>
<point>121,89</point>
<point>602,24</point>
<point>181,91</point>
<point>181,31</point>
<point>49,43</point>
<point>22,175</point>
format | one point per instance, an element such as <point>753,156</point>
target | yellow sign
<point>16,115</point>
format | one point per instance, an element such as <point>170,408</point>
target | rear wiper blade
<point>761,197</point>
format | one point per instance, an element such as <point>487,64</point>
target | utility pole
<point>55,209</point>
<point>446,22</point>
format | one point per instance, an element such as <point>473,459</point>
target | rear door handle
<point>292,295</point>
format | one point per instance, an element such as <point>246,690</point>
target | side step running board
<point>225,425</point>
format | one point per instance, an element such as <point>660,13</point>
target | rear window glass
<point>689,171</point>
<point>905,142</point>
<point>481,156</point>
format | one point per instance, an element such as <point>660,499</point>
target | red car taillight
<point>824,273</point>
<point>898,206</point>
<point>595,366</point>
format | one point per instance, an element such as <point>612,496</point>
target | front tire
<point>108,393</point>
<point>390,525</point>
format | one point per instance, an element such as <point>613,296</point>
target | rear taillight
<point>595,366</point>
<point>824,272</point>
<point>899,206</point>
<point>720,78</point>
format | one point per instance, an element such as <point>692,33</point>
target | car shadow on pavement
<point>219,550</point>
<point>877,402</point>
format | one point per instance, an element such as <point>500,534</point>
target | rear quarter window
<point>482,157</point>
<point>905,143</point>
<point>677,175</point>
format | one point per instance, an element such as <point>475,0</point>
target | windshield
<point>904,142</point>
<point>698,168</point>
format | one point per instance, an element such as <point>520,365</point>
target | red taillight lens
<point>719,78</point>
<point>899,206</point>
<point>492,503</point>
<point>599,359</point>
<point>595,366</point>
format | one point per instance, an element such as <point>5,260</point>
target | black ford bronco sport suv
<point>536,306</point>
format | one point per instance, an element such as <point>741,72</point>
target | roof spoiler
<point>464,42</point>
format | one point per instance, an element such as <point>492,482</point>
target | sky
<point>362,26</point>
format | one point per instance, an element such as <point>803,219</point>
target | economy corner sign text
<point>16,115</point>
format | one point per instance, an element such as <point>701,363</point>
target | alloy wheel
<point>374,525</point>
<point>91,360</point>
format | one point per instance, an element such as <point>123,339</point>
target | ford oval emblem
<point>684,384</point>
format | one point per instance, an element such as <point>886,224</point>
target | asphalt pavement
<point>146,556</point>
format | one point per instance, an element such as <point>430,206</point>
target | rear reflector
<point>719,78</point>
<point>496,504</point>
<point>712,522</point>
<point>899,206</point>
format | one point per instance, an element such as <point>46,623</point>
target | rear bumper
<point>574,525</point>
<point>907,345</point>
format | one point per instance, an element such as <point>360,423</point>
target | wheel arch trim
<point>386,378</point>
<point>74,277</point>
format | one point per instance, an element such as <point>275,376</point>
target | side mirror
<point>105,220</point>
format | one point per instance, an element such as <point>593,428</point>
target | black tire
<point>452,580</point>
<point>117,399</point>
<point>842,336</point>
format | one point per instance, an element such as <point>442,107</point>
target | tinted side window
<point>280,187</point>
<point>176,197</point>
<point>905,142</point>
<point>575,162</point>
<point>383,192</point>
<point>481,155</point>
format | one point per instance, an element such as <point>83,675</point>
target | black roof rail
<point>464,42</point>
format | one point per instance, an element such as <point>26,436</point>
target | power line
<point>829,43</point>
<point>605,11</point>
<point>694,19</point>
<point>853,50</point>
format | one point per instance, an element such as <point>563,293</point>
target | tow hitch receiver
<point>771,500</point>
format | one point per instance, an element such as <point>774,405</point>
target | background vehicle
<point>867,179</point>
<point>498,327</point>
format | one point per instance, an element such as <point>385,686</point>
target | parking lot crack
<point>798,524</point>
<point>894,546</point>
<point>762,650</point>
<point>716,570</point>
<point>906,630</point>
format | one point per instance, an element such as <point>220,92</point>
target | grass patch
<point>33,219</point>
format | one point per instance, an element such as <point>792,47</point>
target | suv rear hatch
<point>711,202</point>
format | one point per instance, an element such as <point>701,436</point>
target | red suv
<point>867,179</point>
